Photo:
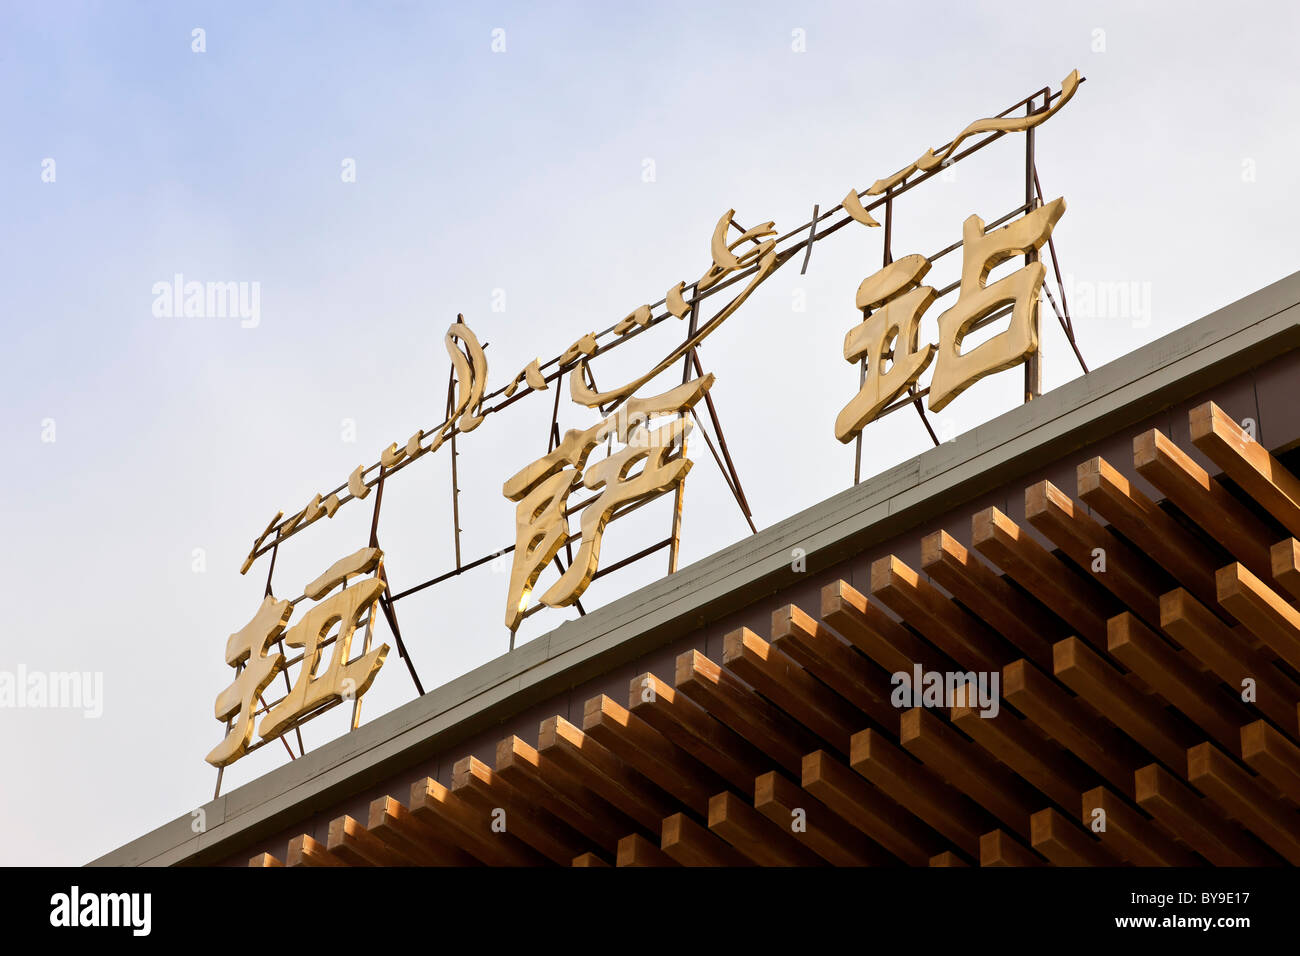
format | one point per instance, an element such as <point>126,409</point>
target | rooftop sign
<point>643,432</point>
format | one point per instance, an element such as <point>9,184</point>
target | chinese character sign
<point>955,372</point>
<point>254,654</point>
<point>543,488</point>
<point>643,460</point>
<point>900,301</point>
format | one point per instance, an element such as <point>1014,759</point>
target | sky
<point>374,170</point>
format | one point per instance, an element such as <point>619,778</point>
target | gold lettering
<point>724,262</point>
<point>471,376</point>
<point>674,303</point>
<point>413,449</point>
<point>248,561</point>
<point>356,483</point>
<point>311,692</point>
<point>532,374</point>
<point>1003,124</point>
<point>898,321</point>
<point>542,489</point>
<point>359,562</point>
<point>249,646</point>
<point>853,206</point>
<point>640,317</point>
<point>584,346</point>
<point>998,124</point>
<point>981,253</point>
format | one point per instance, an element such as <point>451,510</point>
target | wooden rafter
<point>1162,733</point>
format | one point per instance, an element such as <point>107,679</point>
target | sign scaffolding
<point>651,461</point>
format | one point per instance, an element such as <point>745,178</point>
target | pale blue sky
<point>519,171</point>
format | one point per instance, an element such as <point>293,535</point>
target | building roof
<point>860,549</point>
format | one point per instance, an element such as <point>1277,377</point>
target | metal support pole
<point>726,452</point>
<point>675,536</point>
<point>1034,364</point>
<point>275,549</point>
<point>812,237</point>
<point>1064,314</point>
<point>365,649</point>
<point>455,481</point>
<point>886,258</point>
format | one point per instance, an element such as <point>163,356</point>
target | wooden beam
<point>755,836</point>
<point>836,663</point>
<point>305,851</point>
<point>1227,654</point>
<point>1284,561</point>
<point>1200,497</point>
<point>968,768</point>
<point>458,823</point>
<point>597,769</point>
<point>477,783</point>
<point>1024,622</point>
<point>869,810</point>
<point>1061,840</point>
<point>538,780</point>
<point>997,848</point>
<point>588,860</point>
<point>736,705</point>
<point>921,790</point>
<point>264,860</point>
<point>1239,794</point>
<point>1128,575</point>
<point>875,633</point>
<point>1105,490</point>
<point>1273,757</point>
<point>1182,813</point>
<point>781,680</point>
<point>1248,463</point>
<point>1022,747</point>
<point>824,832</point>
<point>1074,726</point>
<point>1171,672</point>
<point>944,624</point>
<point>350,842</point>
<point>692,845</point>
<point>697,732</point>
<point>1268,615</point>
<point>947,859</point>
<point>1128,834</point>
<point>636,850</point>
<point>1076,600</point>
<point>1151,725</point>
<point>647,751</point>
<point>402,833</point>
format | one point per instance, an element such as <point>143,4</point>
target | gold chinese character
<point>898,322</point>
<point>251,645</point>
<point>342,680</point>
<point>725,260</point>
<point>543,487</point>
<point>471,380</point>
<point>982,252</point>
<point>247,652</point>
